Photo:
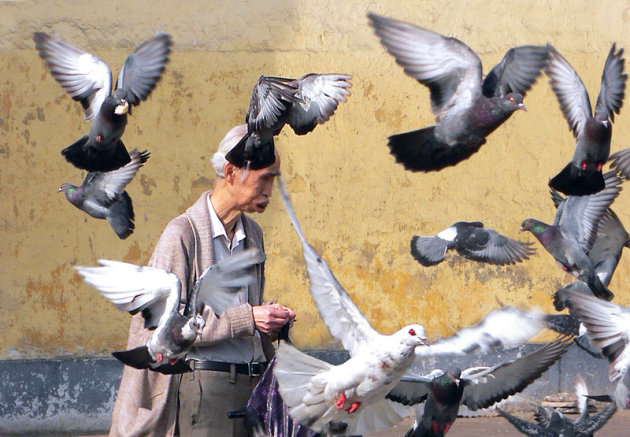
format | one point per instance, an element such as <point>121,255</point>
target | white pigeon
<point>156,293</point>
<point>608,328</point>
<point>350,398</point>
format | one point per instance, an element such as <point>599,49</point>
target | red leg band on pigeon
<point>341,400</point>
<point>447,427</point>
<point>436,428</point>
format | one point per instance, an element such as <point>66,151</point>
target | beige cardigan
<point>146,404</point>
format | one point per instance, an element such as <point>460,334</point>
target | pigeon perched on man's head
<point>466,108</point>
<point>88,80</point>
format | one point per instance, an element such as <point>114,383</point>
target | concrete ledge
<point>76,396</point>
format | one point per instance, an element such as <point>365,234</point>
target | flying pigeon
<point>321,396</point>
<point>88,79</point>
<point>553,423</point>
<point>156,293</point>
<point>583,175</point>
<point>440,394</point>
<point>608,328</point>
<point>472,241</point>
<point>466,108</point>
<point>303,103</point>
<point>573,232</point>
<point>102,194</point>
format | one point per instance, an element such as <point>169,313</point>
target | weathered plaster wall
<point>357,206</point>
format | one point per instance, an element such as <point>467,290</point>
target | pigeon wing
<point>588,425</point>
<point>271,98</point>
<point>413,389</point>
<point>605,254</point>
<point>570,91</point>
<point>113,183</point>
<point>450,69</point>
<point>143,68</point>
<point>525,427</point>
<point>134,288</point>
<point>613,88</point>
<point>483,389</point>
<point>342,317</point>
<point>497,249</point>
<point>84,76</point>
<point>517,71</point>
<point>504,327</point>
<point>621,161</point>
<point>318,96</point>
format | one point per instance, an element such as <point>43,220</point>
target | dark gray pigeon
<point>156,293</point>
<point>88,79</point>
<point>102,194</point>
<point>573,232</point>
<point>552,423</point>
<point>438,396</point>
<point>467,110</point>
<point>608,328</point>
<point>472,241</point>
<point>583,175</point>
<point>303,103</point>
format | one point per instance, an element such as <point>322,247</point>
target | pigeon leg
<point>354,407</point>
<point>159,357</point>
<point>172,361</point>
<point>436,427</point>
<point>341,400</point>
<point>447,427</point>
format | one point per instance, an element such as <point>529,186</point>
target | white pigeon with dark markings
<point>471,240</point>
<point>156,293</point>
<point>351,396</point>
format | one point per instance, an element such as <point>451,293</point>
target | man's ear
<point>229,171</point>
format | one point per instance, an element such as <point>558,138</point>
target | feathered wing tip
<point>599,289</point>
<point>420,150</point>
<point>428,251</point>
<point>574,181</point>
<point>92,159</point>
<point>621,161</point>
<point>121,216</point>
<point>140,358</point>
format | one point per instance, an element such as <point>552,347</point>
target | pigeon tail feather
<point>599,289</point>
<point>93,159</point>
<point>428,251</point>
<point>420,150</point>
<point>121,215</point>
<point>574,181</point>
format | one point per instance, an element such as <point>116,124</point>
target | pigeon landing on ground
<point>303,103</point>
<point>88,79</point>
<point>583,175</point>
<point>322,396</point>
<point>156,293</point>
<point>440,394</point>
<point>552,423</point>
<point>574,230</point>
<point>103,195</point>
<point>472,241</point>
<point>608,328</point>
<point>467,110</point>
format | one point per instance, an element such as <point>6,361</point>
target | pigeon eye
<point>412,332</point>
<point>511,99</point>
<point>584,165</point>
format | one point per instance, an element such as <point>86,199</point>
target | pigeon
<point>88,79</point>
<point>156,293</point>
<point>466,108</point>
<point>102,194</point>
<point>608,328</point>
<point>583,175</point>
<point>303,103</point>
<point>552,423</point>
<point>472,241</point>
<point>574,230</point>
<point>440,394</point>
<point>322,396</point>
<point>621,161</point>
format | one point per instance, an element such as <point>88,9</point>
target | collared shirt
<point>234,350</point>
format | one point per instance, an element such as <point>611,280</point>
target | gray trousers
<point>205,400</point>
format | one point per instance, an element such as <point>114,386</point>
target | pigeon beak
<point>123,108</point>
<point>521,230</point>
<point>522,106</point>
<point>59,190</point>
<point>424,341</point>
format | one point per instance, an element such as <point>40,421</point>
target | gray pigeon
<point>552,423</point>
<point>583,175</point>
<point>467,110</point>
<point>439,395</point>
<point>156,293</point>
<point>472,241</point>
<point>102,194</point>
<point>88,79</point>
<point>573,232</point>
<point>303,103</point>
<point>608,328</point>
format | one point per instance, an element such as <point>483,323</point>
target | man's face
<point>254,192</point>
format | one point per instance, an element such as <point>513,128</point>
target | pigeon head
<point>69,190</point>
<point>196,324</point>
<point>413,335</point>
<point>533,226</point>
<point>120,100</point>
<point>456,374</point>
<point>513,102</point>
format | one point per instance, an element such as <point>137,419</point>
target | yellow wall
<point>357,206</point>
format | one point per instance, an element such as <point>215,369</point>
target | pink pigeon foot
<point>159,357</point>
<point>173,361</point>
<point>341,400</point>
<point>354,407</point>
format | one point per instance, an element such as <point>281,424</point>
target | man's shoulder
<point>180,226</point>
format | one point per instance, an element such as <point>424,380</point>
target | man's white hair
<point>228,142</point>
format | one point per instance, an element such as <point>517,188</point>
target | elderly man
<point>234,346</point>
